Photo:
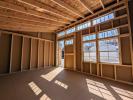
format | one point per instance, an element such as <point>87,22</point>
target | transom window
<point>84,25</point>
<point>69,42</point>
<point>71,30</point>
<point>89,23</point>
<point>103,18</point>
<point>109,33</point>
<point>89,37</point>
<point>61,34</point>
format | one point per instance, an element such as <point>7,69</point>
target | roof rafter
<point>101,1</point>
<point>17,15</point>
<point>46,8</point>
<point>14,20</point>
<point>22,25</point>
<point>86,6</point>
<point>28,11</point>
<point>69,8</point>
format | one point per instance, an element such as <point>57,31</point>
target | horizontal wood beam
<point>46,8</point>
<point>30,12</point>
<point>4,26</point>
<point>10,13</point>
<point>67,7</point>
<point>21,22</point>
<point>86,6</point>
<point>23,29</point>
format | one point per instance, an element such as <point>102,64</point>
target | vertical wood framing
<point>64,54</point>
<point>129,27</point>
<point>31,54</point>
<point>101,70</point>
<point>38,54</point>
<point>44,53</point>
<point>90,69</point>
<point>22,54</point>
<point>11,54</point>
<point>49,53</point>
<point>81,52</point>
<point>74,49</point>
<point>119,43</point>
<point>115,73</point>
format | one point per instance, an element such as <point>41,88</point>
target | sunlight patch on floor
<point>51,75</point>
<point>61,84</point>
<point>124,94</point>
<point>35,88</point>
<point>99,89</point>
<point>45,97</point>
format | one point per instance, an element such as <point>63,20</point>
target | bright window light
<point>35,88</point>
<point>103,18</point>
<point>109,33</point>
<point>61,84</point>
<point>84,25</point>
<point>109,50</point>
<point>89,51</point>
<point>51,75</point>
<point>71,30</point>
<point>69,42</point>
<point>89,37</point>
<point>45,97</point>
<point>61,34</point>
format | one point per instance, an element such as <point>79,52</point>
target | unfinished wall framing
<point>21,52</point>
<point>107,70</point>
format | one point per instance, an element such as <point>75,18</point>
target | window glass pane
<point>106,18</point>
<point>61,34</point>
<point>71,30</point>
<point>98,20</point>
<point>111,16</point>
<point>89,50</point>
<point>69,42</point>
<point>94,22</point>
<point>109,33</point>
<point>109,50</point>
<point>89,37</point>
<point>103,18</point>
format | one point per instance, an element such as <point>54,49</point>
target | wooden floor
<point>59,84</point>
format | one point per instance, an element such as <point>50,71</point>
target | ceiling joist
<point>86,6</point>
<point>29,11</point>
<point>67,7</point>
<point>46,8</point>
<point>21,16</point>
<point>14,20</point>
<point>22,25</point>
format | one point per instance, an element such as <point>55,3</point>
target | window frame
<point>119,62</point>
<point>89,41</point>
<point>97,40</point>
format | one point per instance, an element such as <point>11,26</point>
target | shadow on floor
<point>60,84</point>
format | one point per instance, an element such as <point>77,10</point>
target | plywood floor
<point>59,84</point>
